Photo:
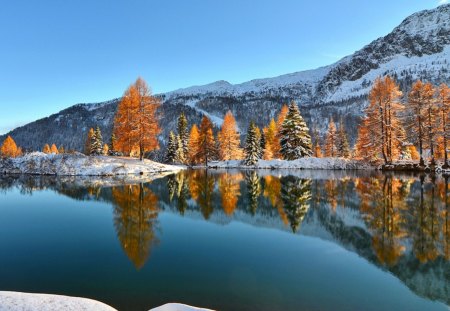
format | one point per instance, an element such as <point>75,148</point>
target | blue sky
<point>54,53</point>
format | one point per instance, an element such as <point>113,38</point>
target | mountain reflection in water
<point>400,223</point>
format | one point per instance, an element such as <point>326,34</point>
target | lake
<point>231,240</point>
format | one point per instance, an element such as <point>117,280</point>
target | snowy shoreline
<point>15,301</point>
<point>77,164</point>
<point>307,163</point>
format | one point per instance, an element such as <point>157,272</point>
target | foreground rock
<point>77,164</point>
<point>303,163</point>
<point>15,301</point>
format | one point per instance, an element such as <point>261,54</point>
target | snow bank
<point>178,307</point>
<point>17,301</point>
<point>12,301</point>
<point>77,164</point>
<point>303,163</point>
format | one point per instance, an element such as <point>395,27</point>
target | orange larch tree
<point>136,124</point>
<point>46,149</point>
<point>229,140</point>
<point>9,148</point>
<point>194,137</point>
<point>443,104</point>
<point>330,140</point>
<point>206,145</point>
<point>54,149</point>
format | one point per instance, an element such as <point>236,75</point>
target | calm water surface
<point>236,240</point>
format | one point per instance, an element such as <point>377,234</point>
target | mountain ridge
<point>418,48</point>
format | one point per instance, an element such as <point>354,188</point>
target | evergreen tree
<point>182,127</point>
<point>112,144</point>
<point>262,145</point>
<point>171,148</point>
<point>342,146</point>
<point>252,145</point>
<point>295,139</point>
<point>97,142</point>
<point>61,150</point>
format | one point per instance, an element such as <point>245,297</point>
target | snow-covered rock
<point>77,164</point>
<point>18,301</point>
<point>302,163</point>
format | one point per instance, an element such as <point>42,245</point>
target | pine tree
<point>295,139</point>
<point>171,148</point>
<point>229,140</point>
<point>97,142</point>
<point>252,145</point>
<point>262,144</point>
<point>331,140</point>
<point>46,149</point>
<point>9,148</point>
<point>61,150</point>
<point>112,144</point>
<point>184,137</point>
<point>342,145</point>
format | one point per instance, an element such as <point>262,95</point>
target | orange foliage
<point>9,148</point>
<point>135,124</point>
<point>230,191</point>
<point>229,139</point>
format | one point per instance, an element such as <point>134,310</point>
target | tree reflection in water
<point>400,222</point>
<point>135,218</point>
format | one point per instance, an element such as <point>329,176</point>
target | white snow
<point>178,307</point>
<point>15,301</point>
<point>18,301</point>
<point>214,119</point>
<point>302,163</point>
<point>432,64</point>
<point>254,86</point>
<point>77,164</point>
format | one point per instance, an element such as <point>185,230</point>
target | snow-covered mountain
<point>418,48</point>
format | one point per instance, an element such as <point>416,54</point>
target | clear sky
<point>54,53</point>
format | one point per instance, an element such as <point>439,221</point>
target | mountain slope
<point>419,48</point>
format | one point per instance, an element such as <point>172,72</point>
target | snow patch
<point>38,163</point>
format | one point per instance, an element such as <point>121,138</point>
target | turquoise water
<point>231,240</point>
